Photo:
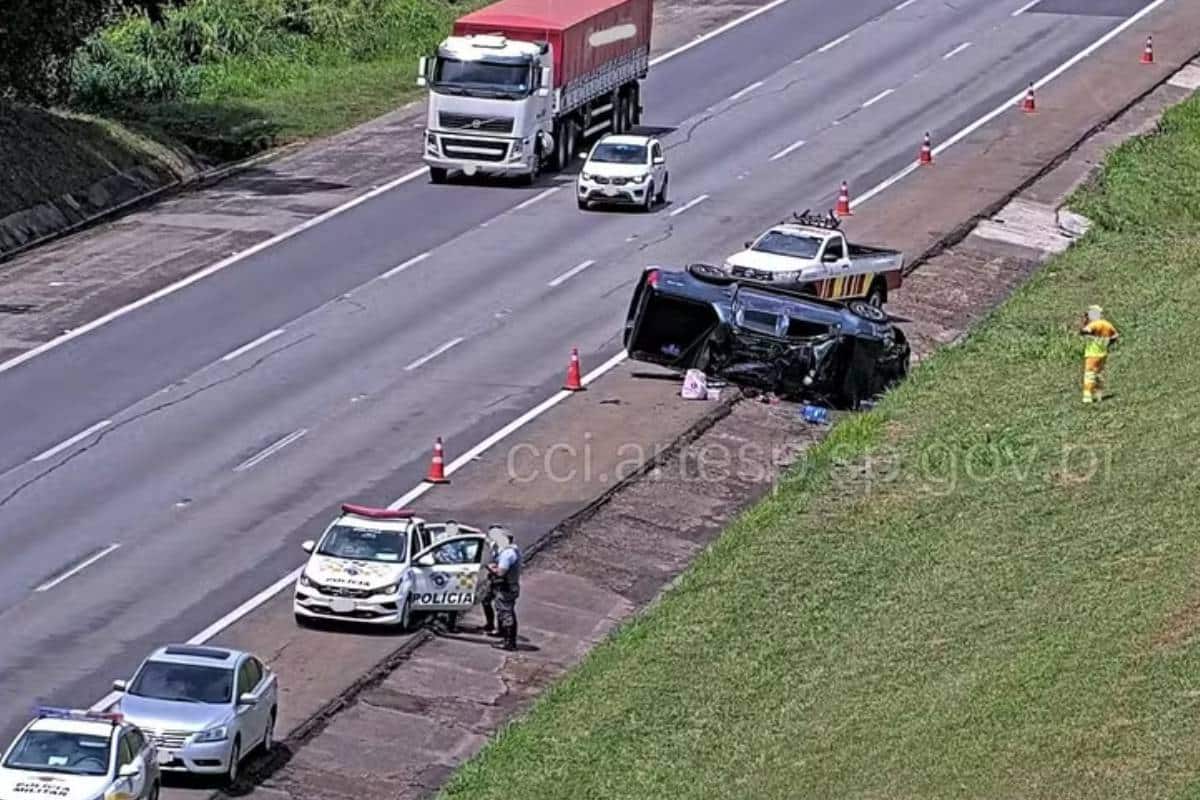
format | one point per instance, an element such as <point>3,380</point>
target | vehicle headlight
<point>583,176</point>
<point>391,588</point>
<point>645,176</point>
<point>727,268</point>
<point>309,582</point>
<point>218,734</point>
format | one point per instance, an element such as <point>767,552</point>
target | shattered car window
<point>787,244</point>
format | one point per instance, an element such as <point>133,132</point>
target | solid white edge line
<point>432,354</point>
<point>78,568</point>
<point>271,450</point>
<point>688,205</point>
<point>904,5</point>
<point>317,220</point>
<point>509,429</point>
<point>274,589</point>
<point>877,98</point>
<point>717,32</point>
<point>76,439</point>
<point>246,348</point>
<point>398,269</point>
<point>1008,104</point>
<point>956,51</point>
<point>1025,8</point>
<point>830,45</point>
<point>536,198</point>
<point>742,92</point>
<point>571,273</point>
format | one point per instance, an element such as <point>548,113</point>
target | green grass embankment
<point>982,588</point>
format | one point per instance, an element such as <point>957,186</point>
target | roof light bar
<point>376,513</point>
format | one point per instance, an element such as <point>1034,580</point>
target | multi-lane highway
<point>159,470</point>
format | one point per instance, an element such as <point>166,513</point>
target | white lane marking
<point>266,594</point>
<point>263,455</point>
<point>956,51</point>
<point>741,93</point>
<point>317,220</point>
<point>76,439</point>
<point>904,5</point>
<point>430,356</point>
<point>537,197</point>
<point>688,205</point>
<point>78,568</point>
<point>246,348</point>
<point>518,423</point>
<point>414,260</point>
<point>877,98</point>
<point>830,45</point>
<point>1025,8</point>
<point>571,273</point>
<point>791,148</point>
<point>1007,105</point>
<point>717,32</point>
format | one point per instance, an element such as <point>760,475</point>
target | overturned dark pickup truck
<point>767,338</point>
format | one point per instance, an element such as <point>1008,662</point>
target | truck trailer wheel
<point>438,174</point>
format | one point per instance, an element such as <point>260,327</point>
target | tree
<point>38,39</point>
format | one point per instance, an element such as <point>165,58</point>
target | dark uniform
<point>504,589</point>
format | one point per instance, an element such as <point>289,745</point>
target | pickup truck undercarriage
<point>797,347</point>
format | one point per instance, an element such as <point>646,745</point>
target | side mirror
<point>308,546</point>
<point>128,771</point>
<point>547,80</point>
<point>426,561</point>
<point>120,686</point>
<point>247,700</point>
<point>423,71</point>
<point>748,244</point>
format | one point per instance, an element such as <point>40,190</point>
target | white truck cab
<point>383,567</point>
<point>811,255</point>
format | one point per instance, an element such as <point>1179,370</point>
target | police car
<point>385,567</point>
<point>79,755</point>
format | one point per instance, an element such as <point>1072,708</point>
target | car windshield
<point>464,77</point>
<point>786,244</point>
<point>363,544</point>
<point>184,683</point>
<point>620,154</point>
<point>56,751</point>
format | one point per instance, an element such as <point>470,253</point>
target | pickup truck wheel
<point>649,204</point>
<point>876,296</point>
<point>662,193</point>
<point>438,174</point>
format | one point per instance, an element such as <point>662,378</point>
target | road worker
<point>1100,335</point>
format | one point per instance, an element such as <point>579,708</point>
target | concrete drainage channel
<point>619,554</point>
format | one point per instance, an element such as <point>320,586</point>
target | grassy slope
<point>46,154</point>
<point>987,616</point>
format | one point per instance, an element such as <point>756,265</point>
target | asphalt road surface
<point>201,474</point>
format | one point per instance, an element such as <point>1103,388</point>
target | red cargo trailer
<point>586,59</point>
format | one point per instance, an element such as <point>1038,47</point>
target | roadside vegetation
<point>981,588</point>
<point>224,78</point>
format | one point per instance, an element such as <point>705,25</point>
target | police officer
<point>506,571</point>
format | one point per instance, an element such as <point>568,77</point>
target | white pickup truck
<point>810,255</point>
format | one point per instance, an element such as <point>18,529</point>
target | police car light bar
<point>376,513</point>
<point>830,221</point>
<point>53,712</point>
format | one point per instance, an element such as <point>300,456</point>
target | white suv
<point>626,169</point>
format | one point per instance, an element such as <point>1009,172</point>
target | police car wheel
<point>268,742</point>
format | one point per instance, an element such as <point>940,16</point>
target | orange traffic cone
<point>1148,53</point>
<point>574,380</point>
<point>926,157</point>
<point>1029,104</point>
<point>437,467</point>
<point>843,202</point>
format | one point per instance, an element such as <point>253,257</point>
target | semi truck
<point>520,85</point>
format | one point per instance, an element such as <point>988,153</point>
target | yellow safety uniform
<point>1099,333</point>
